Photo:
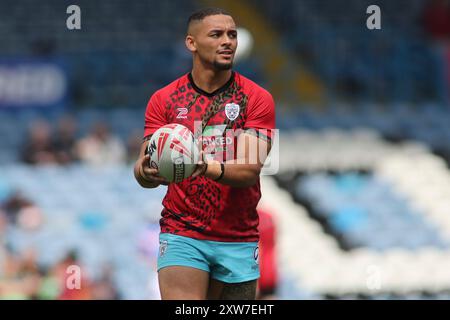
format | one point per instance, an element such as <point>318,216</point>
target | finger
<point>145,160</point>
<point>198,170</point>
<point>195,174</point>
<point>155,179</point>
<point>161,180</point>
<point>151,171</point>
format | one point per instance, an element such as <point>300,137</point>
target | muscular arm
<point>243,172</point>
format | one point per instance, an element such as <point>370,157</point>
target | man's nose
<point>226,40</point>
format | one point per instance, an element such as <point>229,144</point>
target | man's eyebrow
<point>215,30</point>
<point>221,30</point>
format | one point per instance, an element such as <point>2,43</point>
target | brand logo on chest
<point>182,113</point>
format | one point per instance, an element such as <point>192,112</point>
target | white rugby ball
<point>173,152</point>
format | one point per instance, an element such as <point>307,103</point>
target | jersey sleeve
<point>155,115</point>
<point>261,115</point>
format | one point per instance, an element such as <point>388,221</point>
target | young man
<point>209,225</point>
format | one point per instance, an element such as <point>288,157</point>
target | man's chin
<point>223,65</point>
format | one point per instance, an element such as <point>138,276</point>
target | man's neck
<point>209,80</point>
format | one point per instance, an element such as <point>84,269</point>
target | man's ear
<point>190,43</point>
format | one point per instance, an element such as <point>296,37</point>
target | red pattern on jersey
<point>199,207</point>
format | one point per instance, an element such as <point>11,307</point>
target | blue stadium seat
<point>365,211</point>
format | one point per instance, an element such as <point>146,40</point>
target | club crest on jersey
<point>232,111</point>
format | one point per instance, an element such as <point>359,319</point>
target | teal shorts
<point>230,262</point>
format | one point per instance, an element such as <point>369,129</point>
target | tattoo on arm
<point>239,291</point>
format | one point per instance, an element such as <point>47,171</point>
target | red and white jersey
<point>199,207</point>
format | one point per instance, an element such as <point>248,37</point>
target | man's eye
<point>233,35</point>
<point>215,35</point>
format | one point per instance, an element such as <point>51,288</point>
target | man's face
<point>215,40</point>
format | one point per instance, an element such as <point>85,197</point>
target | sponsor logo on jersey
<point>214,135</point>
<point>217,141</point>
<point>232,111</point>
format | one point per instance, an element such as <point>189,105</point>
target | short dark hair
<point>206,12</point>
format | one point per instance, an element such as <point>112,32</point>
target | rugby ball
<point>173,152</point>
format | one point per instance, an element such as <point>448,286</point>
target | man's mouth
<point>226,53</point>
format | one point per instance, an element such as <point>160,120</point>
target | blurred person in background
<point>60,273</point>
<point>100,147</point>
<point>20,210</point>
<point>38,148</point>
<point>10,286</point>
<point>11,206</point>
<point>20,276</point>
<point>436,19</point>
<point>147,246</point>
<point>436,24</point>
<point>268,282</point>
<point>64,140</point>
<point>3,244</point>
<point>134,142</point>
<point>104,288</point>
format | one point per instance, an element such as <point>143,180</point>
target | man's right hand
<point>146,176</point>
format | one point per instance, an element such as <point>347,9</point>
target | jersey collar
<point>215,92</point>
